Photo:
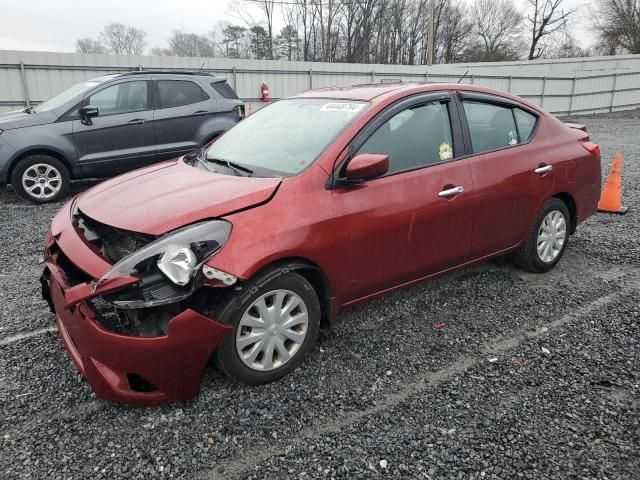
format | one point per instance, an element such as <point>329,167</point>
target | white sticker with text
<point>342,107</point>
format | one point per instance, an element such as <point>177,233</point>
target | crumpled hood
<point>19,119</point>
<point>169,195</point>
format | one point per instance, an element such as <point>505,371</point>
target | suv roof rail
<point>168,72</point>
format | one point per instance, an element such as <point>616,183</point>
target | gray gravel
<point>385,393</point>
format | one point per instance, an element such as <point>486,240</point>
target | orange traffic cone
<point>611,197</point>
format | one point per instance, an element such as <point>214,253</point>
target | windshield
<point>67,95</point>
<point>287,136</point>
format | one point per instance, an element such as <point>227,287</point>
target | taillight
<point>592,148</point>
<point>239,111</point>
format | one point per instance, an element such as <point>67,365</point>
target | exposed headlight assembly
<point>178,254</point>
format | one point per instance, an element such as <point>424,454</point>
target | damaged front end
<point>132,309</point>
<point>169,270</point>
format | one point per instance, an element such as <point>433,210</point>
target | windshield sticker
<point>342,107</point>
<point>446,152</point>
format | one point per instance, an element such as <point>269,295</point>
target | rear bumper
<point>170,366</point>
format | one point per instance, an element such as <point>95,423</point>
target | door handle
<point>451,192</point>
<point>545,169</point>
<point>137,121</point>
<point>200,112</point>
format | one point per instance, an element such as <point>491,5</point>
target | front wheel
<point>273,329</point>
<point>40,179</point>
<point>547,239</point>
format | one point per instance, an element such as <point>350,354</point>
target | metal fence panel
<point>561,86</point>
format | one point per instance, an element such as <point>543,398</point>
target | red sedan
<point>241,251</point>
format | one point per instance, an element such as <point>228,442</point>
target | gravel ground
<point>531,376</point>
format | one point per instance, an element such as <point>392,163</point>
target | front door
<point>417,219</point>
<point>121,137</point>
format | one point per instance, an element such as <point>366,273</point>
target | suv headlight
<point>178,255</point>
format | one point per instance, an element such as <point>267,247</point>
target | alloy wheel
<point>41,181</point>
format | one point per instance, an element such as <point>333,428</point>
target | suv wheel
<point>40,179</point>
<point>274,327</point>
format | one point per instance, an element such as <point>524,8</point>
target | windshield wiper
<point>198,157</point>
<point>28,110</point>
<point>236,167</point>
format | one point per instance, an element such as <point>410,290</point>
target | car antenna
<point>202,66</point>
<point>462,77</point>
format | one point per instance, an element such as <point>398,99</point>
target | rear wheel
<point>40,179</point>
<point>273,329</point>
<point>547,239</point>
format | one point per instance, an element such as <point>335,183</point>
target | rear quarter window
<point>526,123</point>
<point>224,89</point>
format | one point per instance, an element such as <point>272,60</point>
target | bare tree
<point>235,41</point>
<point>498,25</point>
<point>618,25</point>
<point>268,9</point>
<point>453,39</point>
<point>89,45</point>
<point>183,44</point>
<point>546,17</point>
<point>121,39</point>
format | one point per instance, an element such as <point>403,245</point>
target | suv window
<point>224,89</point>
<point>491,126</point>
<point>415,137</point>
<point>175,93</point>
<point>526,123</point>
<point>121,98</point>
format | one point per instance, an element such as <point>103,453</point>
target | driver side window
<point>414,138</point>
<point>121,98</point>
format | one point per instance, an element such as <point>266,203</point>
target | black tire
<point>59,167</point>
<point>231,309</point>
<point>527,256</point>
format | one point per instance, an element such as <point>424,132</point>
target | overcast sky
<point>55,25</point>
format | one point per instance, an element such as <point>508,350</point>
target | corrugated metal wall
<point>563,86</point>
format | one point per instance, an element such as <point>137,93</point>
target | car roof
<point>367,91</point>
<point>381,91</point>
<point>180,73</point>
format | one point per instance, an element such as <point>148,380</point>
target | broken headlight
<point>178,254</point>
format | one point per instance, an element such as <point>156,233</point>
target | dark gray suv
<point>110,125</point>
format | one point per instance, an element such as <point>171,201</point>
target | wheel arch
<point>570,202</point>
<point>312,273</point>
<point>39,151</point>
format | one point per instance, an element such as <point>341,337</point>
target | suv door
<point>415,220</point>
<point>121,137</point>
<point>511,178</point>
<point>182,108</point>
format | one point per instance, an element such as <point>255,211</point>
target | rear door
<point>121,137</point>
<point>508,162</point>
<point>416,220</point>
<point>183,110</point>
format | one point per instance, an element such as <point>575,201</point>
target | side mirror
<point>366,166</point>
<point>87,113</point>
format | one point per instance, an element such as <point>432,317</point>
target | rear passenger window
<point>491,126</point>
<point>224,89</point>
<point>415,137</point>
<point>175,93</point>
<point>526,123</point>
